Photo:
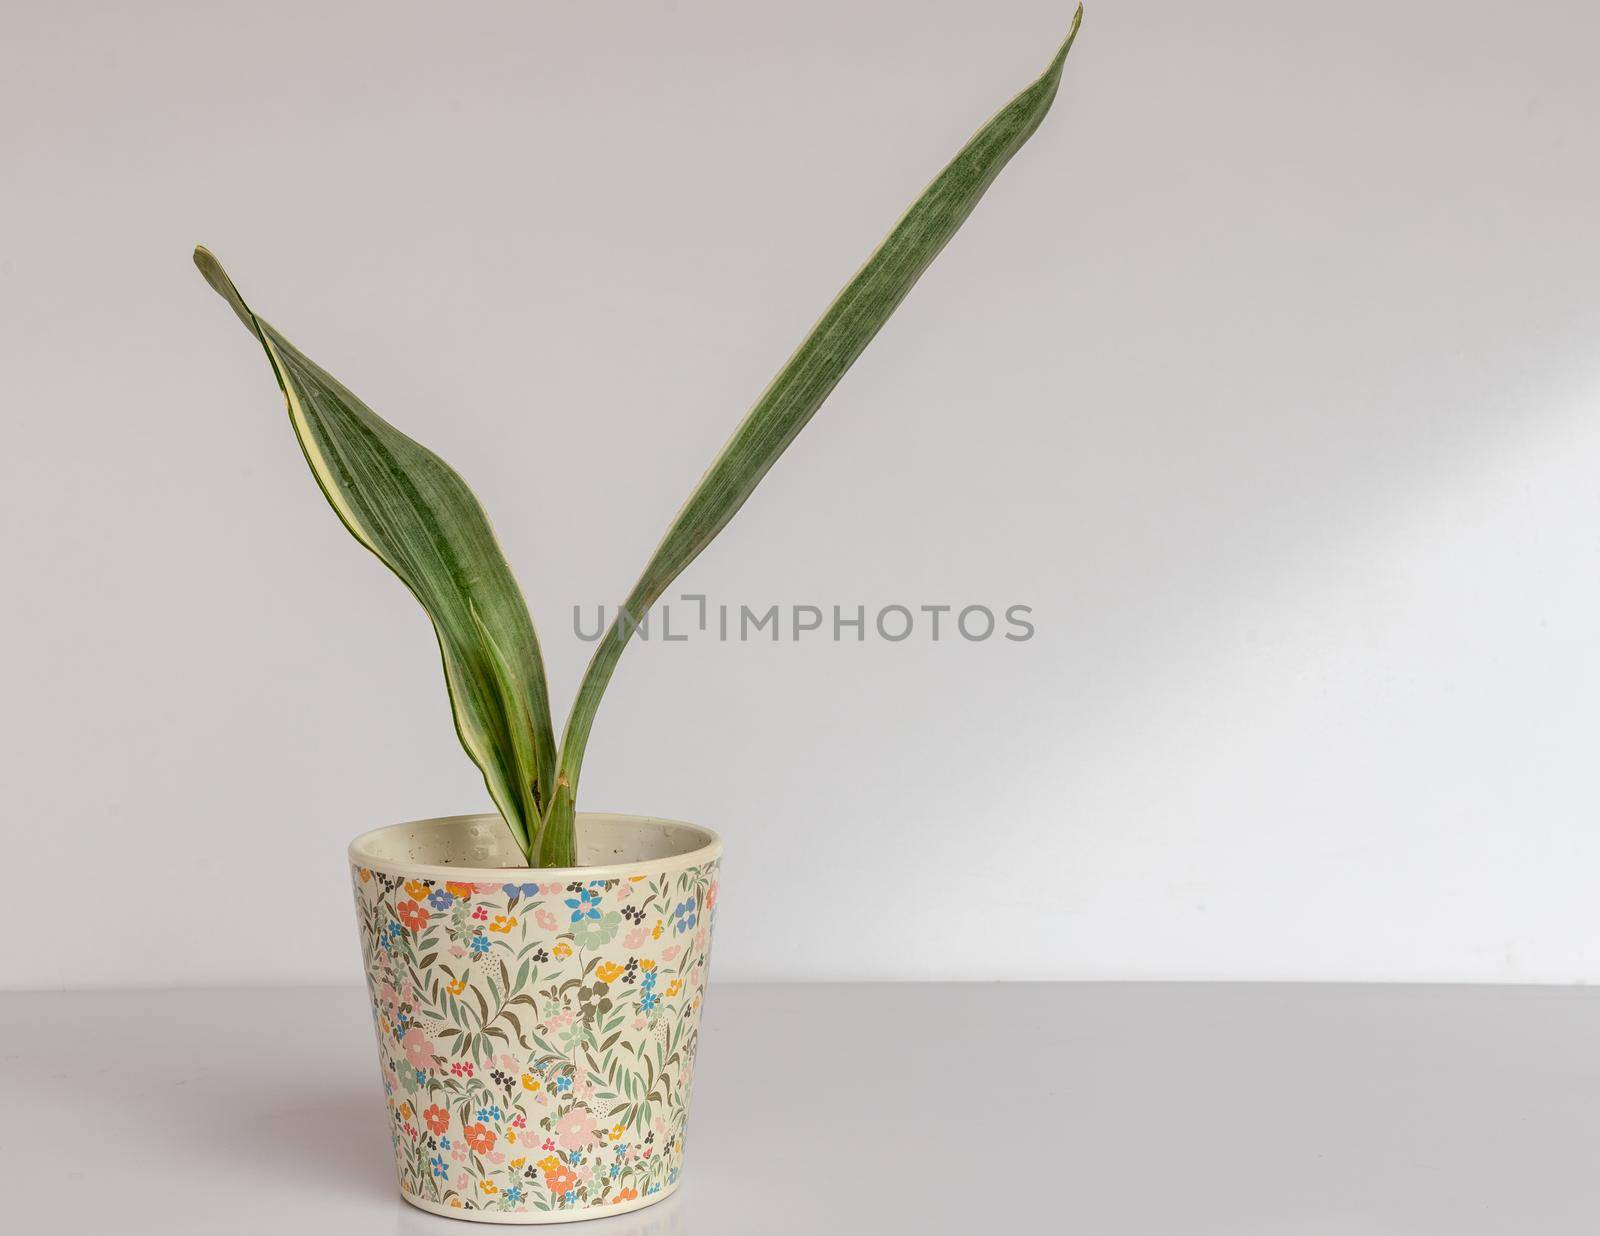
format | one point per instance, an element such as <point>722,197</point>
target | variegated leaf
<point>410,508</point>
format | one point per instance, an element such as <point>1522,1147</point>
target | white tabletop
<point>1090,1109</point>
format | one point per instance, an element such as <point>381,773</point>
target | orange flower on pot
<point>412,915</point>
<point>437,1118</point>
<point>625,1195</point>
<point>417,889</point>
<point>456,889</point>
<point>608,972</point>
<point>559,1178</point>
<point>503,922</point>
<point>478,1137</point>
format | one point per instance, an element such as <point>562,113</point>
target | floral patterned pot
<point>536,1027</point>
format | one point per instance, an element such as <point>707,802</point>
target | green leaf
<point>410,508</point>
<point>850,323</point>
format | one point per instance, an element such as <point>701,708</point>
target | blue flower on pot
<point>585,905</point>
<point>683,916</point>
<point>480,944</point>
<point>439,899</point>
<point>439,1168</point>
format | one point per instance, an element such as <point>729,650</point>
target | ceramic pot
<point>536,1026</point>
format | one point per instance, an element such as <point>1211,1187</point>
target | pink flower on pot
<point>545,919</point>
<point>634,939</point>
<point>669,953</point>
<point>575,1130</point>
<point>711,894</point>
<point>419,1048</point>
<point>624,892</point>
<point>457,951</point>
<point>389,995</point>
<point>550,890</point>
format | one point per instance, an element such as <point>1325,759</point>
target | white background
<point>1267,374</point>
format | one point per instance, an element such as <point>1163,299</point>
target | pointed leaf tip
<point>211,270</point>
<point>1066,46</point>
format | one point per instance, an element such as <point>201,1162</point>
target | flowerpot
<point>536,1027</point>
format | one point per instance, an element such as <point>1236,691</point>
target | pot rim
<point>709,850</point>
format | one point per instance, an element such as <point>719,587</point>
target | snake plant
<point>408,506</point>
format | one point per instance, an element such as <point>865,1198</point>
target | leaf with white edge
<point>408,507</point>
